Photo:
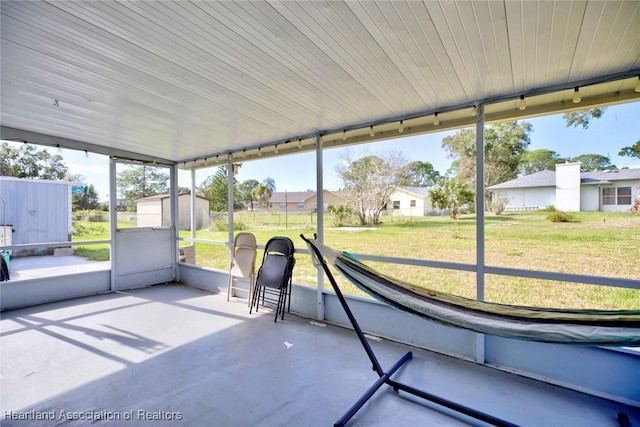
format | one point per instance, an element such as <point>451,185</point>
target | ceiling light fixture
<point>276,149</point>
<point>474,111</point>
<point>59,148</point>
<point>401,128</point>
<point>344,135</point>
<point>372,132</point>
<point>522,105</point>
<point>86,154</point>
<point>436,120</point>
<point>637,89</point>
<point>259,152</point>
<point>576,95</point>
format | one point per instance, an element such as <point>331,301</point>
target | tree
<point>593,162</point>
<point>29,162</point>
<point>341,214</point>
<point>245,192</point>
<point>583,117</point>
<point>631,151</point>
<point>137,182</point>
<point>452,195</point>
<point>85,198</point>
<point>505,143</point>
<point>419,174</point>
<point>539,160</point>
<point>216,189</point>
<point>368,183</point>
<point>263,191</point>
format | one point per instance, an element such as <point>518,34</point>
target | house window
<point>608,196</point>
<point>301,205</point>
<point>283,205</point>
<point>412,203</point>
<point>396,204</point>
<point>624,195</point>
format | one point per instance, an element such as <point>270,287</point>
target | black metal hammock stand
<point>620,327</point>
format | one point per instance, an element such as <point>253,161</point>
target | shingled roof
<point>291,196</point>
<point>419,191</point>
<point>547,178</point>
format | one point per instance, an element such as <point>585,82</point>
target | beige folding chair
<point>243,264</point>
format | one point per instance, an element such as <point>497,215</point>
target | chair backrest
<point>188,254</point>
<point>277,263</point>
<point>244,255</point>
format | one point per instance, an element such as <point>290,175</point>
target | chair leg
<point>275,319</point>
<point>290,285</point>
<point>229,286</point>
<point>282,296</point>
<point>250,293</point>
<point>255,300</point>
<point>284,300</point>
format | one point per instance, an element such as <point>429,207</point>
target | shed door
<point>143,257</point>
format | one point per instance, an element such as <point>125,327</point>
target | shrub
<point>224,226</point>
<point>550,208</point>
<point>559,216</point>
<point>79,229</point>
<point>342,214</point>
<point>98,217</point>
<point>498,206</point>
<point>87,229</point>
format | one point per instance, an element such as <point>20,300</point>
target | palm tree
<point>263,192</point>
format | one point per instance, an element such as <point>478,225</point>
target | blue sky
<point>619,127</point>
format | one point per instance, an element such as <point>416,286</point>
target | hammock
<point>585,327</point>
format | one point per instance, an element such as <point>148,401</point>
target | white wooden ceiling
<point>184,80</point>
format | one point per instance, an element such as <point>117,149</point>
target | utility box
<point>6,235</point>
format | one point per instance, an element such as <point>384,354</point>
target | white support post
<point>230,204</point>
<point>174,223</point>
<point>320,225</point>
<point>480,338</point>
<point>113,220</point>
<point>192,200</point>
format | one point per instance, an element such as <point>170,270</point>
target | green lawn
<point>595,243</point>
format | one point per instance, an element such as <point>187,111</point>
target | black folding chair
<point>273,283</point>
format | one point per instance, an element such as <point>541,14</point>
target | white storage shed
<point>36,211</point>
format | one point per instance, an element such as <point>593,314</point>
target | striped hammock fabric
<point>583,327</point>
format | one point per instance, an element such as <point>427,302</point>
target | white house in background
<point>410,201</point>
<point>303,201</point>
<point>155,211</point>
<point>570,190</point>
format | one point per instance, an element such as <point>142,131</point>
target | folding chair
<point>273,283</point>
<point>243,263</point>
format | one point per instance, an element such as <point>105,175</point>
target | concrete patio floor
<point>31,267</point>
<point>172,355</point>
